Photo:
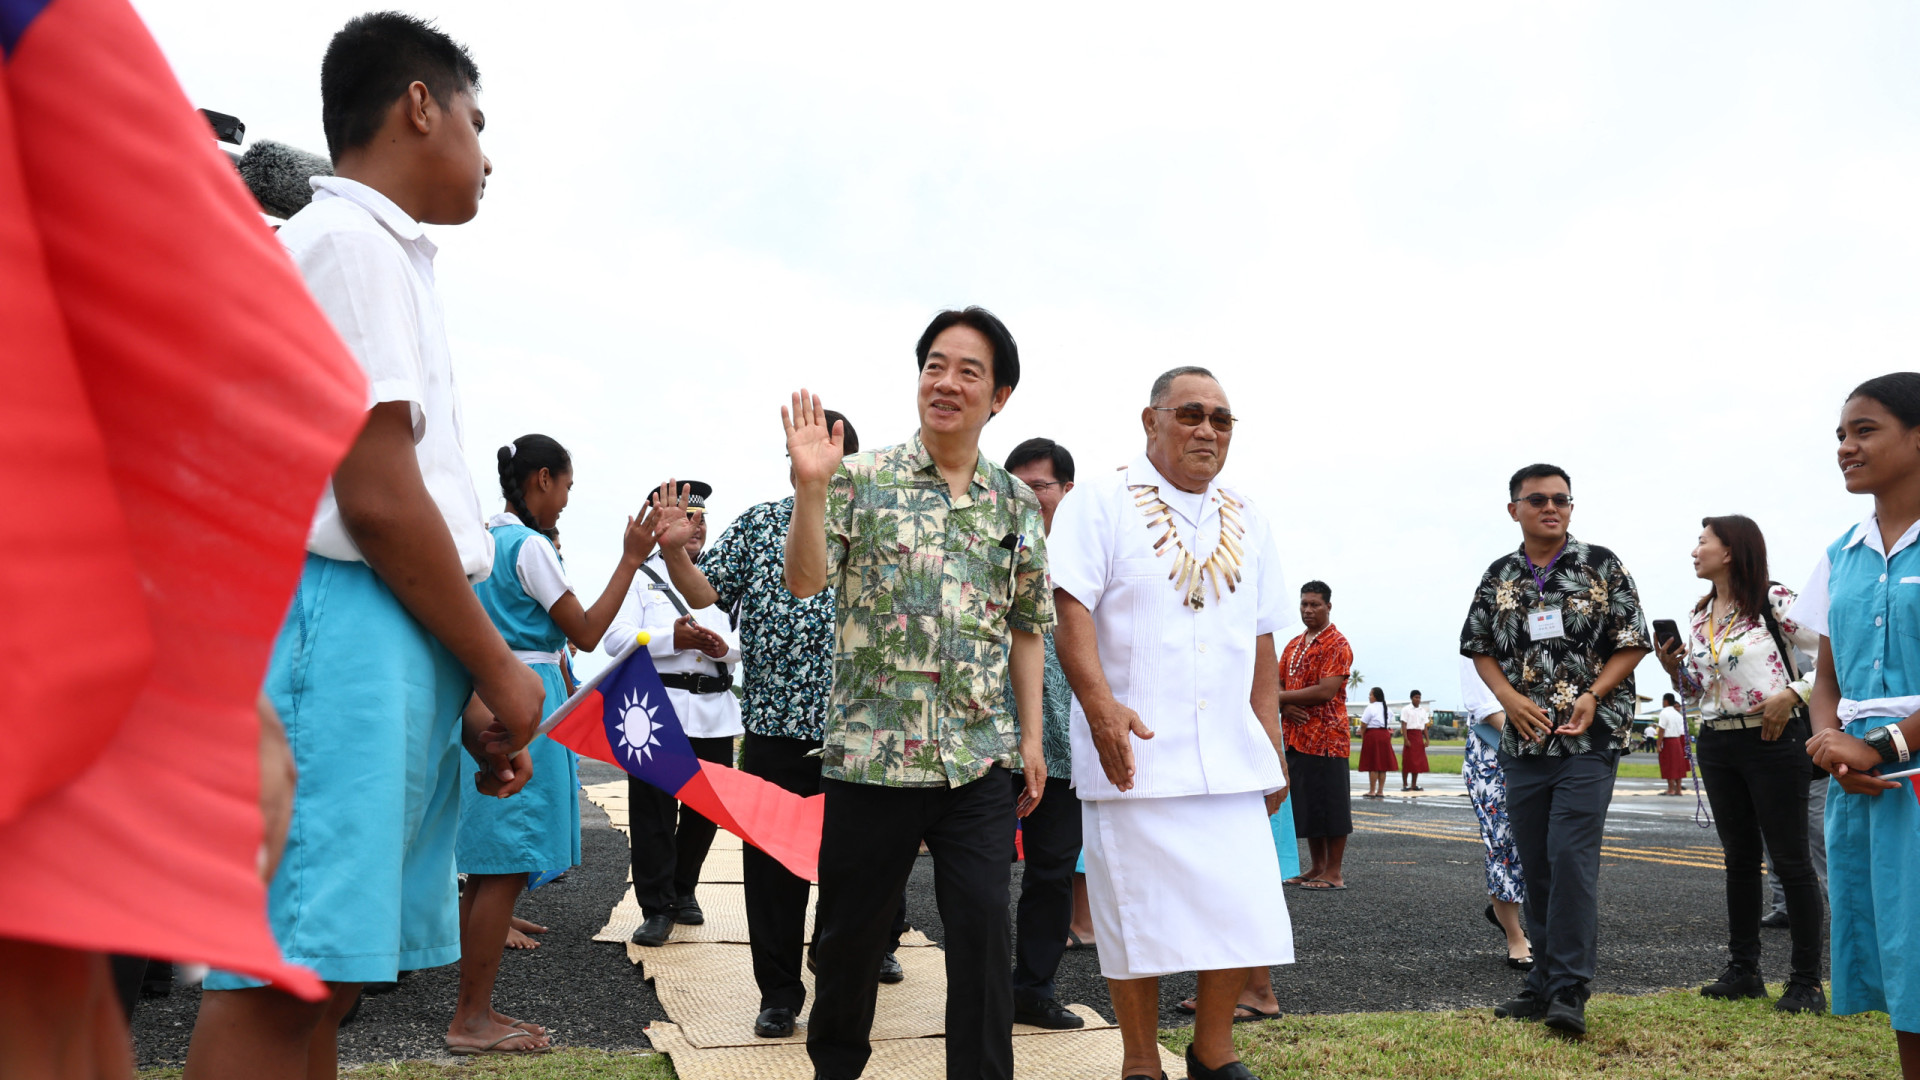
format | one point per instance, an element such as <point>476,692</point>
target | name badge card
<point>1545,625</point>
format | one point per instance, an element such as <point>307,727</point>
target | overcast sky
<point>1421,245</point>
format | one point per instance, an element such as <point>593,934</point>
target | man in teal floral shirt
<point>1555,632</point>
<point>937,559</point>
<point>1051,834</point>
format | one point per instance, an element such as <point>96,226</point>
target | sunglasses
<point>1539,502</point>
<point>1194,416</point>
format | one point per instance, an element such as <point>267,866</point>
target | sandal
<point>1184,1007</point>
<point>1320,885</point>
<point>1296,880</point>
<point>1254,1014</point>
<point>1076,943</point>
<point>460,1050</point>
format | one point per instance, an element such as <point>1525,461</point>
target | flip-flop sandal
<point>1183,1007</point>
<point>1296,880</point>
<point>529,1027</point>
<point>1075,944</point>
<point>494,1047</point>
<point>1257,1014</point>
<point>1321,885</point>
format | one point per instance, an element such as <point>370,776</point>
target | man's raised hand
<point>815,447</point>
<point>672,525</point>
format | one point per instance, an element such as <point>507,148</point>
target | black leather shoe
<point>1801,996</point>
<point>1737,982</point>
<point>1232,1070</point>
<point>686,911</point>
<point>1045,1012</point>
<point>1567,1014</point>
<point>1775,920</point>
<point>654,932</point>
<point>773,1023</point>
<point>890,970</point>
<point>1526,1005</point>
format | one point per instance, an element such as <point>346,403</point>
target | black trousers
<point>777,898</point>
<point>1051,839</point>
<point>670,842</point>
<point>867,846</point>
<point>1758,791</point>
<point>1558,809</point>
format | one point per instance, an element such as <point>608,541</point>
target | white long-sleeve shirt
<point>648,607</point>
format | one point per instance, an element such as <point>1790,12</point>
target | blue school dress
<point>538,828</point>
<point>1873,841</point>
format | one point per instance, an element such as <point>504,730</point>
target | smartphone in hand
<point>1664,631</point>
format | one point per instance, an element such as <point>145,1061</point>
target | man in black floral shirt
<point>1555,631</point>
<point>786,644</point>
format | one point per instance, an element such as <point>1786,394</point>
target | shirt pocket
<point>1903,608</point>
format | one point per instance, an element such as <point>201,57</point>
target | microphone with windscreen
<point>277,174</point>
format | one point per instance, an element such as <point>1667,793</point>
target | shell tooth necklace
<point>1190,575</point>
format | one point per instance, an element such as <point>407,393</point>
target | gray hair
<point>1164,383</point>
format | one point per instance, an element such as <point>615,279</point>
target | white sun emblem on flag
<point>637,725</point>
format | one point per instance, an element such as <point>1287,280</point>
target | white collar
<point>1184,503</point>
<point>1869,532</point>
<point>383,209</point>
<point>502,518</point>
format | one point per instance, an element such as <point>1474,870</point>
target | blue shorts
<point>372,705</point>
<point>1873,889</point>
<point>538,827</point>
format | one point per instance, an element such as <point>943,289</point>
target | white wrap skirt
<point>1190,883</point>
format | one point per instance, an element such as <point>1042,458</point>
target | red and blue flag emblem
<point>624,717</point>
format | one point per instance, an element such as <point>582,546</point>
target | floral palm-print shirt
<point>1600,615</point>
<point>786,643</point>
<point>1056,711</point>
<point>1732,668</point>
<point>927,591</point>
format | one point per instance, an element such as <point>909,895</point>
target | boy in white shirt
<point>385,640</point>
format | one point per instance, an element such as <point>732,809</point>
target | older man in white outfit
<point>1169,592</point>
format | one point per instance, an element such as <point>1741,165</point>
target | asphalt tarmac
<point>1408,932</point>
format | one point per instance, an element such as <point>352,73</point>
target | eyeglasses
<point>1192,415</point>
<point>1539,502</point>
<point>1039,486</point>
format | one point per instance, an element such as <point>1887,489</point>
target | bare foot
<point>492,1033</point>
<point>526,926</point>
<point>525,1025</point>
<point>518,940</point>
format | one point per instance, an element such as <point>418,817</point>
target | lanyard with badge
<point>1544,624</point>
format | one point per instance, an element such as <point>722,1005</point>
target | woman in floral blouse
<point>1737,664</point>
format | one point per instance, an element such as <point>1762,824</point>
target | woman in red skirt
<point>1376,744</point>
<point>1413,739</point>
<point>1673,745</point>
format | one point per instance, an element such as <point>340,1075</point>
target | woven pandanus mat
<point>725,906</point>
<point>1055,1055</point>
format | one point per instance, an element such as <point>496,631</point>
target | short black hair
<point>1415,694</point>
<point>1898,391</point>
<point>1164,384</point>
<point>852,443</point>
<point>369,65</point>
<point>1041,447</point>
<point>1324,590</point>
<point>1535,472</point>
<point>1006,354</point>
<point>1669,699</point>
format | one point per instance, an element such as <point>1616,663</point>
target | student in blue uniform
<point>503,840</point>
<point>1864,599</point>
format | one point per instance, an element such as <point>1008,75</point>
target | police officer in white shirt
<point>696,653</point>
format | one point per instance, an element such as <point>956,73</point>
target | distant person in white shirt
<point>1177,751</point>
<point>1672,745</point>
<point>695,652</point>
<point>1413,743</point>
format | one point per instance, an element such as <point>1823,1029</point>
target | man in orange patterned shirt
<point>1313,717</point>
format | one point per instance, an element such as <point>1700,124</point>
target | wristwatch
<point>1881,739</point>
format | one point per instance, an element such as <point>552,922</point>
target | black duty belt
<point>698,684</point>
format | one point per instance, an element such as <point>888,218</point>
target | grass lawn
<point>1450,764</point>
<point>1673,1034</point>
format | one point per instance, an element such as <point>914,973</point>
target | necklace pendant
<point>1196,599</point>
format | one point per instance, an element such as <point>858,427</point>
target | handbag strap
<point>1779,639</point>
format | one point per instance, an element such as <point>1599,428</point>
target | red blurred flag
<point>186,400</point>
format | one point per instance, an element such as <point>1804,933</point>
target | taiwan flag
<point>185,400</point>
<point>623,717</point>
